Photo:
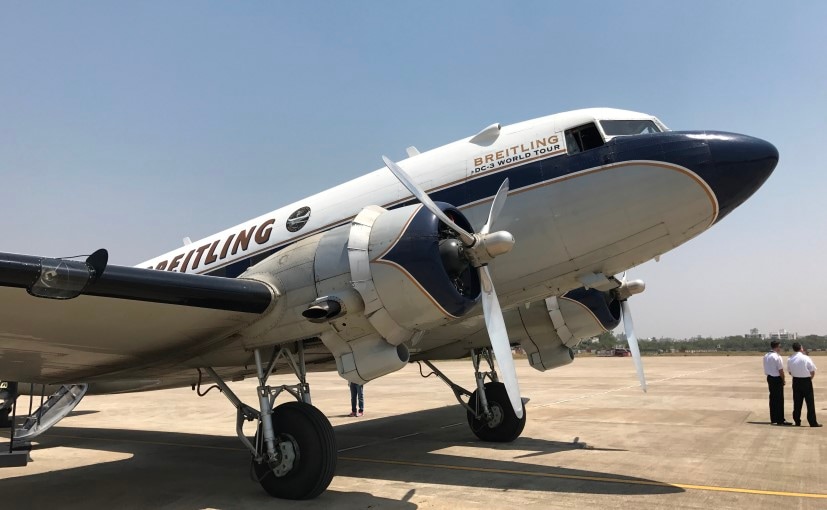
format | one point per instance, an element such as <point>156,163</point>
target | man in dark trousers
<point>774,370</point>
<point>357,395</point>
<point>803,370</point>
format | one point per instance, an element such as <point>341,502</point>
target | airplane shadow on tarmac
<point>177,470</point>
<point>414,439</point>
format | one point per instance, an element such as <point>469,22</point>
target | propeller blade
<point>496,206</point>
<point>467,238</point>
<point>495,325</point>
<point>629,328</point>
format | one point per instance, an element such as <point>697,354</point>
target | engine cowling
<point>370,288</point>
<point>549,329</point>
<point>417,267</point>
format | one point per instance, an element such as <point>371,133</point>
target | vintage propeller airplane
<point>386,269</point>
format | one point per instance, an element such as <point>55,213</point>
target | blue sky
<point>129,126</point>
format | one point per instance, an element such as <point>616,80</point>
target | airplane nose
<point>741,165</point>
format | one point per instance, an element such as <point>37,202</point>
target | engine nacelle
<point>410,273</point>
<point>368,289</point>
<point>549,329</point>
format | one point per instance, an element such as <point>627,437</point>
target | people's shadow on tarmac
<point>189,471</point>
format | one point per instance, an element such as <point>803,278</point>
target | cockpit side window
<point>572,142</point>
<point>583,138</point>
<point>629,127</point>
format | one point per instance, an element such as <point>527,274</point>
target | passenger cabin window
<point>629,127</point>
<point>583,138</point>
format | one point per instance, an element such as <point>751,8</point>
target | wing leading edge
<point>122,318</point>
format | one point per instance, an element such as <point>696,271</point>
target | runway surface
<point>700,438</point>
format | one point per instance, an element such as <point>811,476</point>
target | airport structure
<point>781,335</point>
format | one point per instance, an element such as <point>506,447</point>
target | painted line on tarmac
<point>351,448</point>
<point>199,446</point>
<point>381,441</point>
<point>181,445</point>
<point>581,397</point>
<point>157,443</point>
<point>591,478</point>
<point>226,448</point>
<point>406,435</point>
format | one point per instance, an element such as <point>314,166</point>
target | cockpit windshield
<point>629,127</point>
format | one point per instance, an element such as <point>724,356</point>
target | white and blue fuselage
<point>592,191</point>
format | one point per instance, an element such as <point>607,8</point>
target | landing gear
<point>490,414</point>
<point>294,449</point>
<point>302,468</point>
<point>8,396</point>
<point>503,426</point>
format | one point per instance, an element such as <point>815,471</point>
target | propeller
<point>625,291</point>
<point>480,249</point>
<point>467,238</point>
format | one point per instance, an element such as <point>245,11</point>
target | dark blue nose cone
<point>740,165</point>
<point>733,166</point>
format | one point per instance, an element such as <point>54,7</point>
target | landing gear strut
<point>8,396</point>
<point>294,449</point>
<point>490,414</point>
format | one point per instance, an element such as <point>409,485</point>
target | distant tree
<point>609,340</point>
<point>606,340</point>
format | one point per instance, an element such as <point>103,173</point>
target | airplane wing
<point>66,320</point>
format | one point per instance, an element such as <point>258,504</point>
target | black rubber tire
<point>509,428</point>
<point>316,459</point>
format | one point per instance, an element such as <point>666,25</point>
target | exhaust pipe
<point>333,306</point>
<point>321,311</point>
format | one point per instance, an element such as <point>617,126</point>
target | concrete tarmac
<point>700,438</point>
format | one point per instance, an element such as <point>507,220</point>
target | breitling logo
<point>209,253</point>
<point>532,149</point>
<point>298,219</point>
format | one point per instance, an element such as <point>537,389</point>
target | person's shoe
<point>785,423</point>
<point>352,414</point>
<point>817,425</point>
<point>360,413</point>
<point>798,424</point>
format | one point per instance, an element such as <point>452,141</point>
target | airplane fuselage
<point>582,201</point>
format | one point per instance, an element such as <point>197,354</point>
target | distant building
<point>783,335</point>
<point>755,334</point>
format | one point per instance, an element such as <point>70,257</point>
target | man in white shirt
<point>774,370</point>
<point>803,370</point>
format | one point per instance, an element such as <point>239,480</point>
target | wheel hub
<point>286,455</point>
<point>496,417</point>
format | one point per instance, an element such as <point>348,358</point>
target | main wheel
<point>307,453</point>
<point>504,426</point>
